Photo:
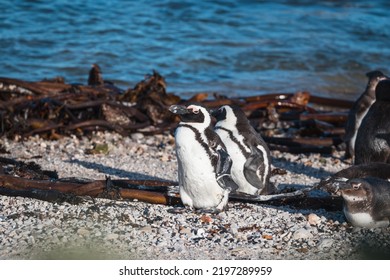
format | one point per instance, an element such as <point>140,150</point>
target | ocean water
<point>235,48</point>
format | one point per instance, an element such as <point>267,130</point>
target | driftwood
<point>53,109</point>
<point>157,193</point>
<point>57,190</point>
<point>29,180</point>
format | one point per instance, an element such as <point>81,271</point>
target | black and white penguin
<point>359,110</point>
<point>373,137</point>
<point>333,183</point>
<point>250,154</point>
<point>367,202</point>
<point>203,162</point>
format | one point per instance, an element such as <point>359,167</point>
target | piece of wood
<point>311,141</point>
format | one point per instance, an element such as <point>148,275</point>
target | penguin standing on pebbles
<point>360,109</point>
<point>367,202</point>
<point>373,137</point>
<point>203,163</point>
<point>250,154</point>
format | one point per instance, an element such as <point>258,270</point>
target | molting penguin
<point>373,137</point>
<point>203,163</point>
<point>367,202</point>
<point>359,110</point>
<point>251,158</point>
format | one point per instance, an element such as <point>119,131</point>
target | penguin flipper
<point>224,164</point>
<point>253,167</point>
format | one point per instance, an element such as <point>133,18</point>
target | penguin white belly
<point>198,185</point>
<point>364,220</point>
<point>238,162</point>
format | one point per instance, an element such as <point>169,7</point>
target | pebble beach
<point>120,229</point>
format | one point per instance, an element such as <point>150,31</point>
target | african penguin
<point>359,110</point>
<point>377,169</point>
<point>367,202</point>
<point>373,137</point>
<point>203,163</point>
<point>251,158</point>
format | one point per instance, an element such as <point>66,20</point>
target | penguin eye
<point>193,109</point>
<point>356,186</point>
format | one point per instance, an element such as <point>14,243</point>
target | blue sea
<point>235,48</point>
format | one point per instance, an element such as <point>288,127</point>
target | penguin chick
<point>359,110</point>
<point>250,154</point>
<point>203,163</point>
<point>373,137</point>
<point>367,202</point>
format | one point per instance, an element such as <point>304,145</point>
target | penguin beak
<point>179,109</point>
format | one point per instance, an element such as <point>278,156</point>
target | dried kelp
<point>52,108</point>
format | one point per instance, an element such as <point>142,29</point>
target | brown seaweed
<point>53,109</point>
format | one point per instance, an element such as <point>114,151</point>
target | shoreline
<point>108,229</point>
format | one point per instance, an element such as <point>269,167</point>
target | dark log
<point>301,149</point>
<point>37,188</point>
<point>296,199</point>
<point>35,88</point>
<point>278,104</point>
<point>340,117</point>
<point>332,102</point>
<point>57,191</point>
<point>149,197</point>
<point>309,141</point>
<point>46,195</point>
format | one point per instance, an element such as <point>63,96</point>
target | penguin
<point>373,137</point>
<point>359,110</point>
<point>203,162</point>
<point>251,168</point>
<point>334,183</point>
<point>95,77</point>
<point>367,202</point>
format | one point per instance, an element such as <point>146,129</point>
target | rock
<point>137,136</point>
<point>325,243</point>
<point>112,236</point>
<point>200,233</point>
<point>313,219</point>
<point>234,229</point>
<point>302,234</point>
<point>185,230</point>
<point>83,232</point>
<point>146,229</point>
<point>206,219</point>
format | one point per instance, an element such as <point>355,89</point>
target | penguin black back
<point>373,137</point>
<point>382,91</point>
<point>359,110</point>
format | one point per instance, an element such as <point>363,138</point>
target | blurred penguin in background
<point>359,110</point>
<point>373,137</point>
